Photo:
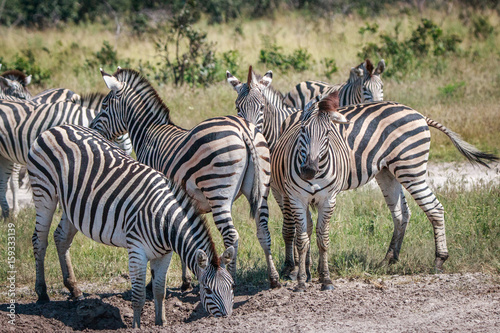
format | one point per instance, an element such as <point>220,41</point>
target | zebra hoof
<point>43,299</point>
<point>325,287</point>
<point>275,284</point>
<point>186,286</point>
<point>300,288</point>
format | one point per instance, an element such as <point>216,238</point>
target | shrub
<point>273,55</point>
<point>27,63</point>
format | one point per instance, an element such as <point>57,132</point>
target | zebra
<point>364,85</point>
<point>20,124</point>
<point>378,131</point>
<point>215,161</point>
<point>13,85</point>
<point>115,200</point>
<point>55,95</point>
<point>309,166</point>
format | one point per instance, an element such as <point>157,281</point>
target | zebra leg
<point>420,191</point>
<point>224,223</point>
<point>63,237</point>
<point>159,268</point>
<point>288,230</point>
<point>45,207</point>
<point>264,237</point>
<point>308,256</point>
<point>5,172</point>
<point>396,201</point>
<point>186,278</point>
<point>14,187</point>
<point>137,266</point>
<point>301,241</point>
<point>323,240</point>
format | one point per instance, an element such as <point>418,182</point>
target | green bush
<point>27,63</point>
<point>273,55</point>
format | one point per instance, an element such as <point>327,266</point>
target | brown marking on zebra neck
<point>133,78</point>
<point>16,75</point>
<point>249,79</point>
<point>369,67</point>
<point>329,103</point>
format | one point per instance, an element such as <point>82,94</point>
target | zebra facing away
<point>215,161</point>
<point>389,142</point>
<point>13,85</point>
<point>364,85</point>
<point>115,200</point>
<point>20,124</point>
<point>310,166</point>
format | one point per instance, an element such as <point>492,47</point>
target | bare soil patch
<point>425,303</point>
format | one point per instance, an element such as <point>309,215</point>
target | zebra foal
<point>115,200</point>
<point>310,166</point>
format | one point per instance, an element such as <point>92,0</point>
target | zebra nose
<point>308,171</point>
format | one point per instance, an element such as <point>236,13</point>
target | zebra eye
<point>208,291</point>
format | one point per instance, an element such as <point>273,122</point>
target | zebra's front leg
<point>63,237</point>
<point>14,187</point>
<point>310,227</point>
<point>288,231</point>
<point>299,211</point>
<point>186,278</point>
<point>325,212</point>
<point>264,237</point>
<point>5,172</point>
<point>137,265</point>
<point>159,268</point>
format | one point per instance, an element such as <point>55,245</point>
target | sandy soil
<point>424,303</point>
<point>431,303</point>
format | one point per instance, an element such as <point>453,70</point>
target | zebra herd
<point>307,146</point>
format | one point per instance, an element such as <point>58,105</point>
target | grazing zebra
<point>215,161</point>
<point>309,167</point>
<point>364,85</point>
<point>13,85</point>
<point>389,142</point>
<point>115,200</point>
<point>20,124</point>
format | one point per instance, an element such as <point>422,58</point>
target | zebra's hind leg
<point>159,268</point>
<point>325,212</point>
<point>63,237</point>
<point>396,201</point>
<point>14,187</point>
<point>5,172</point>
<point>137,266</point>
<point>427,201</point>
<point>45,207</point>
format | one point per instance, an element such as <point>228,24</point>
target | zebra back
<point>115,200</point>
<point>55,95</point>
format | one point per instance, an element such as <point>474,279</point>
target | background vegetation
<point>442,60</point>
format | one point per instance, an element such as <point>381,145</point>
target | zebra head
<point>13,83</point>
<point>373,87</point>
<point>316,125</point>
<point>110,122</point>
<point>216,284</point>
<point>250,102</point>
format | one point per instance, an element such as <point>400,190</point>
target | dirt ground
<point>420,303</point>
<point>431,303</point>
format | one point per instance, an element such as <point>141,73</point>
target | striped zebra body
<point>55,95</point>
<point>20,124</point>
<point>364,85</point>
<point>115,200</point>
<point>390,142</point>
<point>215,161</point>
<point>310,166</point>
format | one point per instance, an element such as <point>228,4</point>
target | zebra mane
<point>16,75</point>
<point>179,191</point>
<point>141,85</point>
<point>91,100</point>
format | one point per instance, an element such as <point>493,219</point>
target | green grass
<point>360,233</point>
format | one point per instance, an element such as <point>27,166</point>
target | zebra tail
<point>256,187</point>
<point>474,155</point>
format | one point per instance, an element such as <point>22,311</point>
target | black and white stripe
<point>310,166</point>
<point>364,85</point>
<point>216,160</point>
<point>115,200</point>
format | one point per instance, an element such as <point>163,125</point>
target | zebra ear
<point>338,117</point>
<point>380,67</point>
<point>6,83</point>
<point>201,258</point>
<point>227,256</point>
<point>111,82</point>
<point>27,80</point>
<point>357,71</point>
<point>266,80</point>
<point>234,81</point>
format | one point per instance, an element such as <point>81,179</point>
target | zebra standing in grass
<point>310,166</point>
<point>364,85</point>
<point>215,161</point>
<point>20,124</point>
<point>117,201</point>
<point>389,142</point>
